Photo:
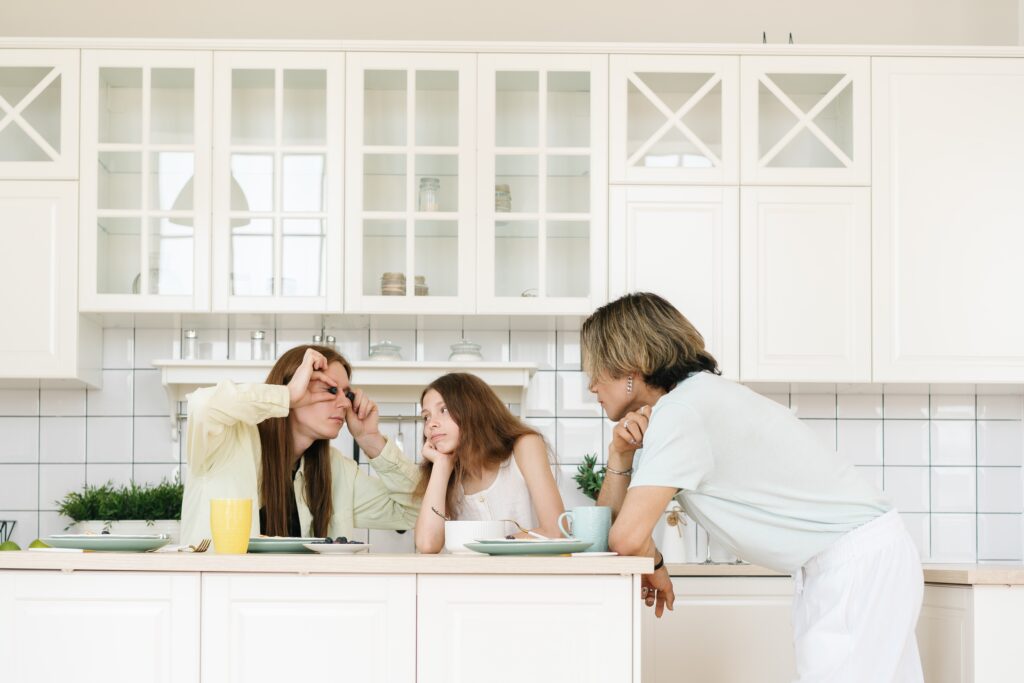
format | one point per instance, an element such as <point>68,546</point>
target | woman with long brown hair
<point>271,443</point>
<point>480,462</point>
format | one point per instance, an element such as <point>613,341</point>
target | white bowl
<point>458,533</point>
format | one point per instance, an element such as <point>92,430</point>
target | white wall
<point>937,22</point>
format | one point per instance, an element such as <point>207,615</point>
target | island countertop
<point>952,574</point>
<point>359,563</point>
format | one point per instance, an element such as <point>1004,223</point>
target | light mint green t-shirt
<point>752,474</point>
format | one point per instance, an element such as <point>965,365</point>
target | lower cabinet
<point>722,630</point>
<point>259,627</point>
<point>99,627</point>
<point>515,629</point>
<point>971,634</point>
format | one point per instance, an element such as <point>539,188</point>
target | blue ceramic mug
<point>589,523</point>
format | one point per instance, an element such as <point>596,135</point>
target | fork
<point>200,547</point>
<point>526,531</point>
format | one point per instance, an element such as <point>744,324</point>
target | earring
<point>629,384</point>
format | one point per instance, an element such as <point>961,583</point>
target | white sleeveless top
<point>506,498</point>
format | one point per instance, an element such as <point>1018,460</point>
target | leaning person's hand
<point>656,591</point>
<point>628,434</point>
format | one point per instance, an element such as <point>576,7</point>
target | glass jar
<point>331,343</point>
<point>502,199</point>
<point>318,339</point>
<point>385,350</point>
<point>465,351</point>
<point>429,191</point>
<point>190,345</point>
<point>256,345</point>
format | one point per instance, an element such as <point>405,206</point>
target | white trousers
<point>856,608</point>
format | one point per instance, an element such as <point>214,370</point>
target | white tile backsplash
<point>1000,443</point>
<point>26,525</point>
<point>999,537</point>
<point>950,457</point>
<point>905,442</point>
<point>19,441</point>
<point>954,489</point>
<point>860,441</point>
<point>952,442</point>
<point>954,538</point>
<point>62,439</point>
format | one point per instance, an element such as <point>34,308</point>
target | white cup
<point>459,532</point>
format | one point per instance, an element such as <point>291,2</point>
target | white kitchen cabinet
<point>947,220</point>
<point>410,183</point>
<point>277,181</point>
<point>805,294</point>
<point>683,244</point>
<point>98,627</point>
<point>45,337</point>
<point>674,119</point>
<point>722,630</point>
<point>971,634</point>
<point>508,629</point>
<point>258,628</point>
<point>805,120</point>
<point>38,114</point>
<point>542,183</point>
<point>145,181</point>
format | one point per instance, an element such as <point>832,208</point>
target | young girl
<point>480,463</point>
<point>271,443</point>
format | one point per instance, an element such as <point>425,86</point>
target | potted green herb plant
<point>128,509</point>
<point>588,478</point>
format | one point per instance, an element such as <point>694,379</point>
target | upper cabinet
<point>805,294</point>
<point>683,244</point>
<point>947,220</point>
<point>542,183</point>
<point>410,183</point>
<point>805,121</point>
<point>145,181</point>
<point>38,114</point>
<point>277,181</point>
<point>674,119</point>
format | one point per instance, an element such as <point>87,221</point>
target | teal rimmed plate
<point>281,544</point>
<point>520,546</point>
<point>124,543</point>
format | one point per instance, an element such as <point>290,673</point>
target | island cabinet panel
<point>99,627</point>
<point>509,629</point>
<point>284,627</point>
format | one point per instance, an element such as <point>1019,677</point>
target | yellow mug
<point>230,523</point>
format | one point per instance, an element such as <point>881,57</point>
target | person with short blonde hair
<point>762,485</point>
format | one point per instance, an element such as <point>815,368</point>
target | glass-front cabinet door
<point>805,121</point>
<point>674,119</point>
<point>277,181</point>
<point>542,183</point>
<point>145,190</point>
<point>38,114</point>
<point>410,183</point>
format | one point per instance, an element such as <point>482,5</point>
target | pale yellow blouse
<point>224,451</point>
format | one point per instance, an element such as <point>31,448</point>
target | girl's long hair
<point>276,488</point>
<point>488,431</point>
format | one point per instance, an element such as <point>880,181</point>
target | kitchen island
<point>178,617</point>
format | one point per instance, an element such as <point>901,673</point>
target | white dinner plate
<point>337,548</point>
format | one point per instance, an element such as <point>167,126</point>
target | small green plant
<point>588,478</point>
<point>110,504</point>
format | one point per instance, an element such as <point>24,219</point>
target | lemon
<point>37,544</point>
<point>9,545</point>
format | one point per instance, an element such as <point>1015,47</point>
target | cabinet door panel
<point>726,630</point>
<point>508,629</point>
<point>97,627</point>
<point>945,633</point>
<point>682,243</point>
<point>38,114</point>
<point>806,287</point>
<point>314,628</point>
<point>674,119</point>
<point>947,217</point>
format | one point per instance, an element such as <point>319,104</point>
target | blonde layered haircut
<point>276,488</point>
<point>642,333</point>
